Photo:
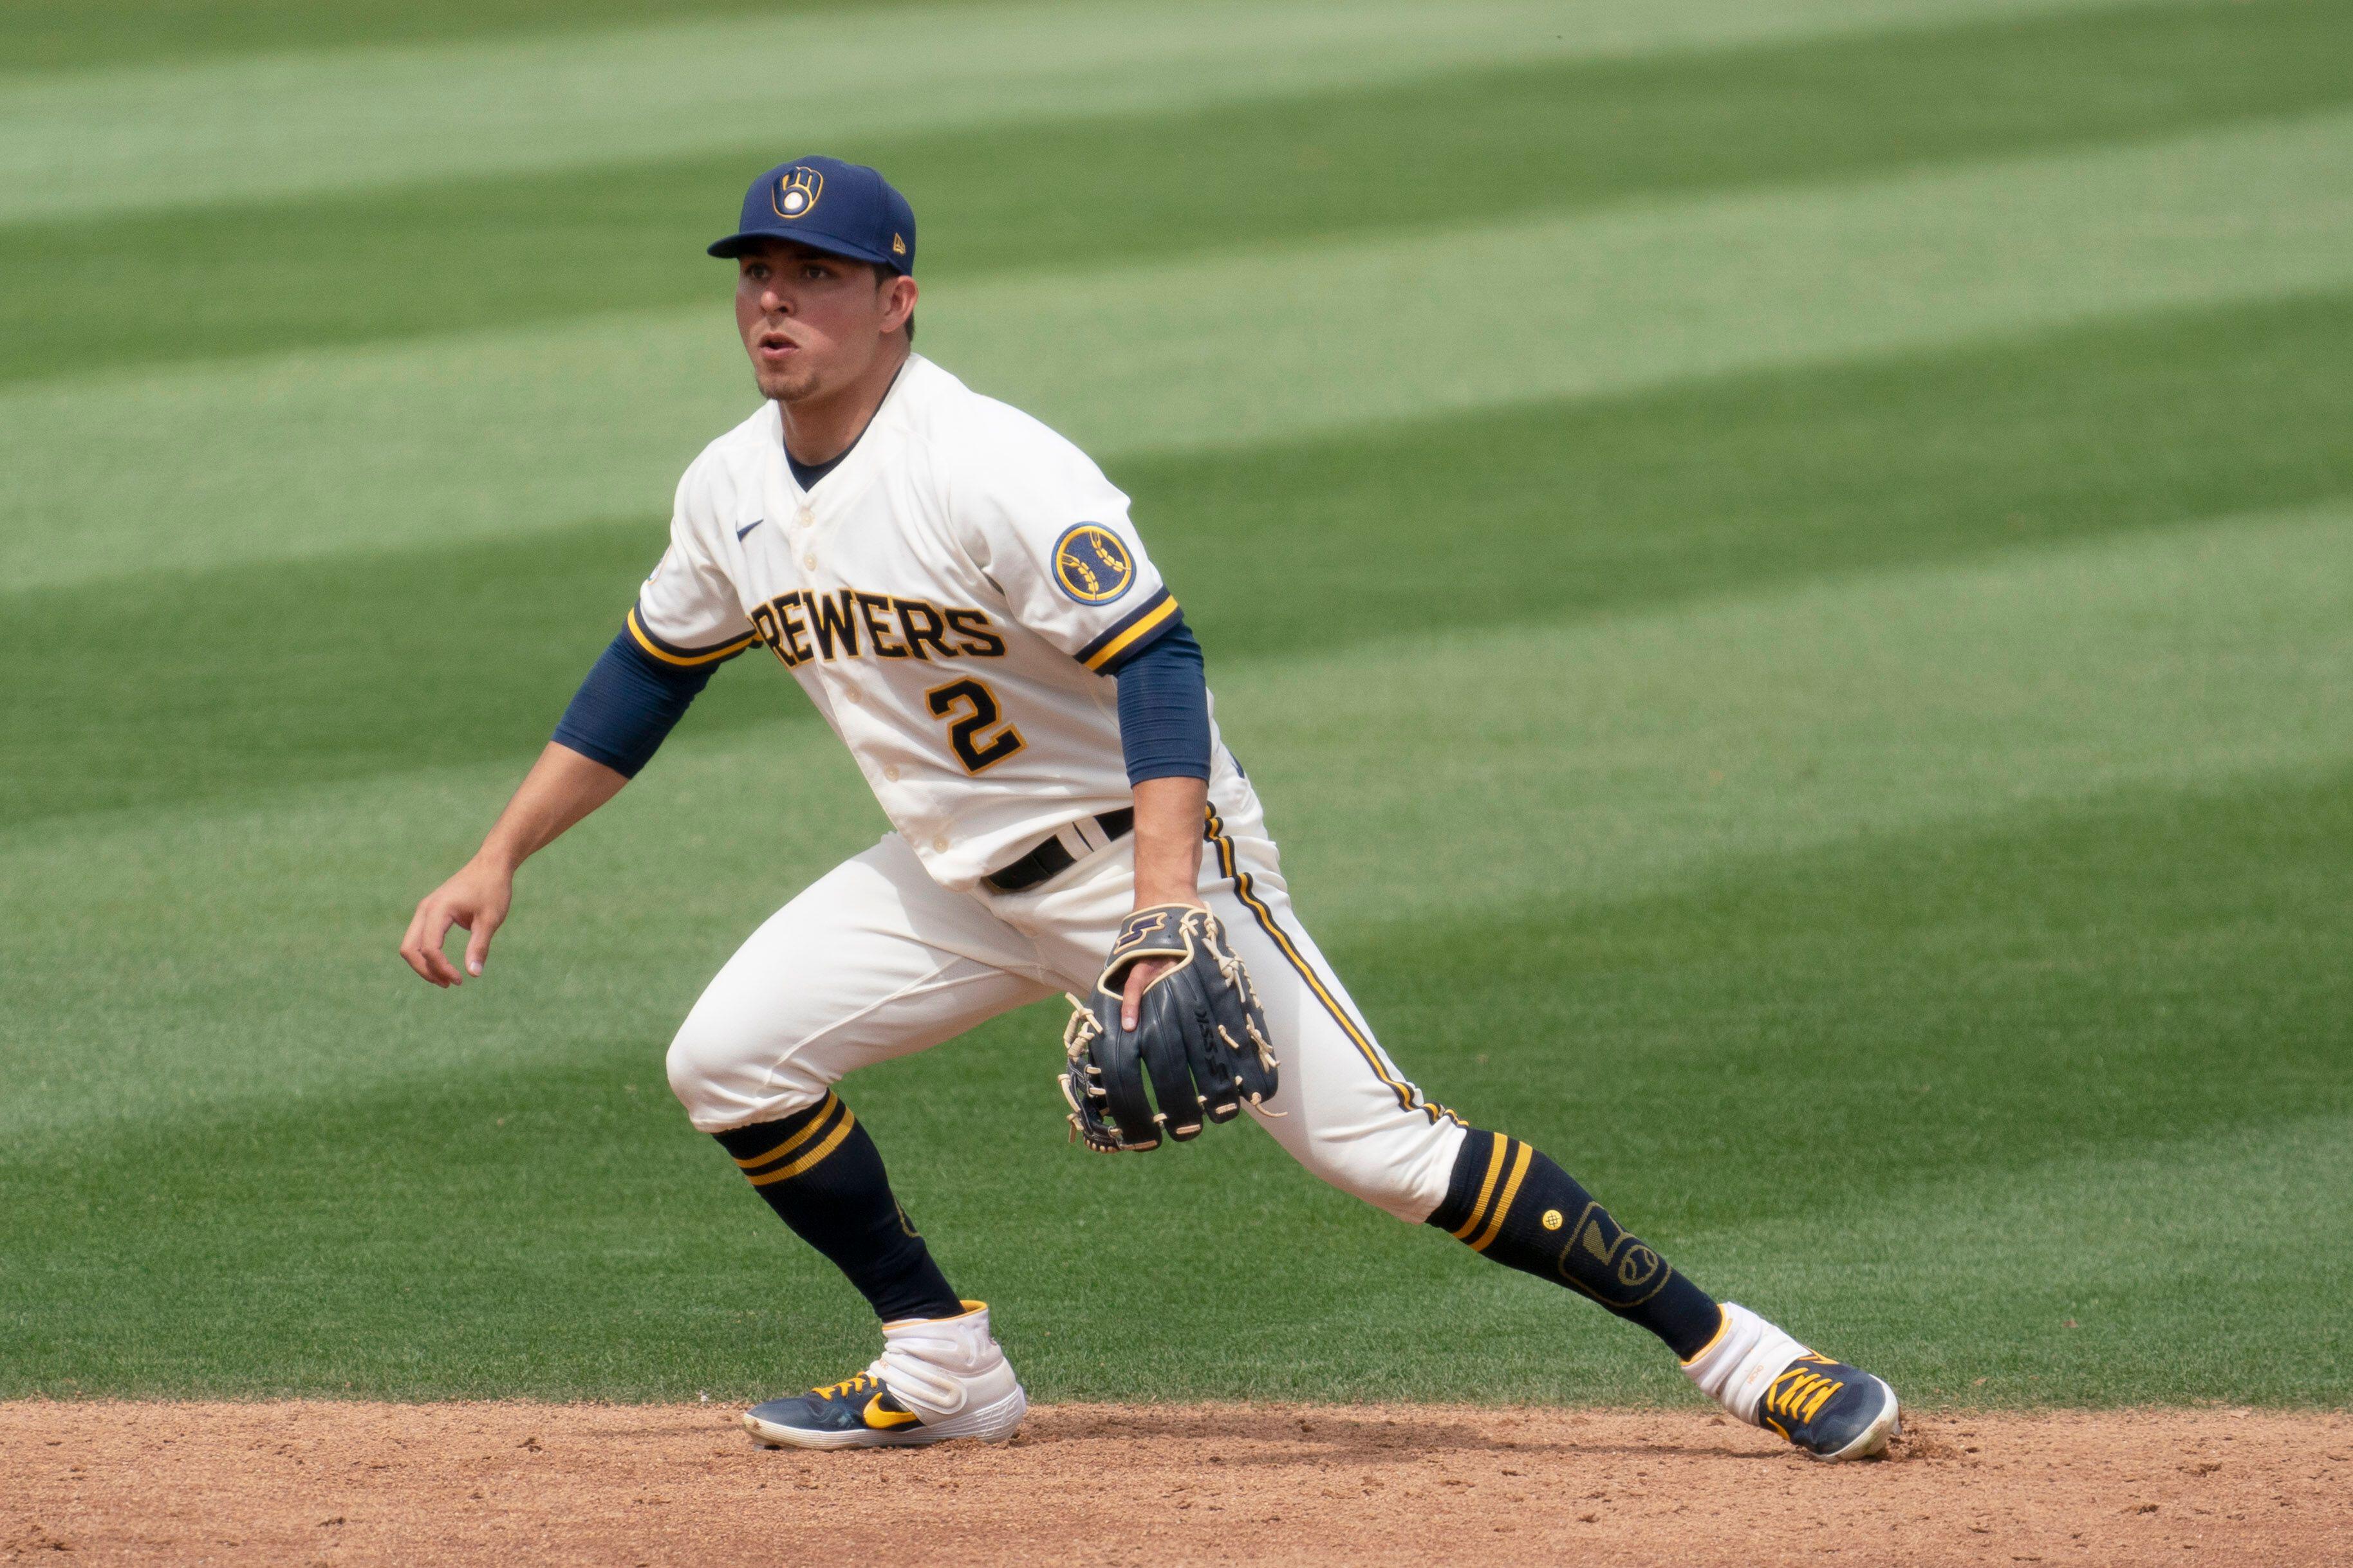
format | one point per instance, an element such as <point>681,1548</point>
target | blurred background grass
<point>1783,568</point>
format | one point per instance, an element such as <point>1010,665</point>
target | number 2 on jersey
<point>980,710</point>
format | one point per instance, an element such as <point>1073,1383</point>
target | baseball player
<point>963,596</point>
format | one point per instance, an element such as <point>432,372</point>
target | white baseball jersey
<point>949,596</point>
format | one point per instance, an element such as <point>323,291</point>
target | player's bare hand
<point>1142,974</point>
<point>476,900</point>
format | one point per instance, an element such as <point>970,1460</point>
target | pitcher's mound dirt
<point>338,1483</point>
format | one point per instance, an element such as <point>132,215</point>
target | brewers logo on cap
<point>797,192</point>
<point>1093,566</point>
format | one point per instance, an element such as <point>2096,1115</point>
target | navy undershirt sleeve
<point>627,705</point>
<point>1164,708</point>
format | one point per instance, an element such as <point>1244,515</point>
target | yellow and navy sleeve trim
<point>671,653</point>
<point>1148,620</point>
<point>803,1150</point>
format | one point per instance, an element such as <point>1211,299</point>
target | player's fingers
<point>478,942</point>
<point>412,942</point>
<point>1139,980</point>
<point>414,956</point>
<point>427,956</point>
<point>409,937</point>
<point>1132,996</point>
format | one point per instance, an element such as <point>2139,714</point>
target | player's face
<point>814,323</point>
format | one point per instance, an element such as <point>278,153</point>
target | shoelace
<point>1799,1394</point>
<point>858,1384</point>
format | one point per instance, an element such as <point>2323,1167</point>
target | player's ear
<point>899,302</point>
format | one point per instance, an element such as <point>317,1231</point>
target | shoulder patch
<point>1091,564</point>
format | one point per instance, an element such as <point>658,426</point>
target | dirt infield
<point>347,1483</point>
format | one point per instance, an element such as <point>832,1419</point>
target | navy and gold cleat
<point>856,1413</point>
<point>937,1380</point>
<point>1829,1410</point>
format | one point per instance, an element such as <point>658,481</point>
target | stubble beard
<point>783,385</point>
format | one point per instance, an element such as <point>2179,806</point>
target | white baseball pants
<point>876,960</point>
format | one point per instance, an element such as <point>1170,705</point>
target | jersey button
<point>891,771</point>
<point>850,694</point>
<point>804,517</point>
<point>941,845</point>
<point>808,561</point>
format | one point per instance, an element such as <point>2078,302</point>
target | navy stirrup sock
<point>823,1177</point>
<point>1512,1204</point>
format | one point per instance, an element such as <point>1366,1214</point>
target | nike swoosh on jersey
<point>750,526</point>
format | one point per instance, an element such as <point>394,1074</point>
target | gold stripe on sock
<point>1503,1203</point>
<point>824,1110</point>
<point>840,1132</point>
<point>1502,1146</point>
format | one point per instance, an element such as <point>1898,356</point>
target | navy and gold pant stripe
<point>805,1149</point>
<point>1507,1167</point>
<point>1228,865</point>
<point>685,657</point>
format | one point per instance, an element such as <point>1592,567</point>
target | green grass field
<point>1784,569</point>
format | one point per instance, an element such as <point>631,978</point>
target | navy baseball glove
<point>1199,1039</point>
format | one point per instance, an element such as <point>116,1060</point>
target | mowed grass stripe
<point>1642,747</point>
<point>51,34</point>
<point>495,434</point>
<point>285,674</point>
<point>1425,778</point>
<point>279,123</point>
<point>1956,995</point>
<point>1459,147</point>
<point>1566,509</point>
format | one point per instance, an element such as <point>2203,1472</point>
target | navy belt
<point>1051,859</point>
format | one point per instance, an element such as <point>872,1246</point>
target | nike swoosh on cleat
<point>882,1420</point>
<point>750,526</point>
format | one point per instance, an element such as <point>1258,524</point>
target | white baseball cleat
<point>1827,1409</point>
<point>936,1378</point>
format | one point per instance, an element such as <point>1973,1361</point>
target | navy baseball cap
<point>842,209</point>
